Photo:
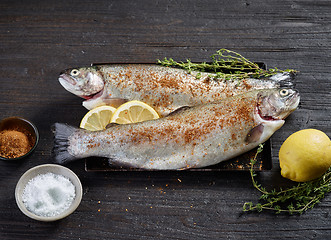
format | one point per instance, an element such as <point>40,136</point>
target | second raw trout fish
<point>191,137</point>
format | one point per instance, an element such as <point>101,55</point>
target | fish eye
<point>283,92</point>
<point>74,72</point>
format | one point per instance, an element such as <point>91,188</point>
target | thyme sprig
<point>225,64</point>
<point>294,200</point>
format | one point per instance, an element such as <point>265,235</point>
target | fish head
<point>83,82</point>
<point>277,104</point>
<point>273,106</point>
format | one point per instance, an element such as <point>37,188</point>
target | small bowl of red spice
<point>18,138</point>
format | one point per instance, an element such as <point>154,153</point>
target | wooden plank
<point>38,39</point>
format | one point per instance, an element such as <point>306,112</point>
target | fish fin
<point>93,103</point>
<point>118,163</point>
<point>62,132</point>
<point>114,102</point>
<point>179,110</point>
<point>112,124</point>
<point>254,134</point>
<point>285,79</point>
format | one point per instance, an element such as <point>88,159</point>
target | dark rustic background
<point>38,39</point>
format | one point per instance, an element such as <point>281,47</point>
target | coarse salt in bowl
<point>48,192</point>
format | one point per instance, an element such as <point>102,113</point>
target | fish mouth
<point>64,78</point>
<point>71,86</point>
<point>67,82</point>
<point>93,96</point>
<point>292,104</point>
<point>266,118</point>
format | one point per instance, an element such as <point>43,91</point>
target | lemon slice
<point>133,112</point>
<point>97,118</point>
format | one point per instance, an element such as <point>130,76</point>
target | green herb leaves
<point>225,64</point>
<point>294,200</point>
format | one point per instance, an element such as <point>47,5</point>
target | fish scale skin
<point>195,137</point>
<point>166,89</point>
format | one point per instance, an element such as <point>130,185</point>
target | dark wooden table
<point>38,39</point>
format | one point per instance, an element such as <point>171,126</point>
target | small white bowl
<point>43,169</point>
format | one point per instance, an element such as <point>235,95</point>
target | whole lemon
<point>305,155</point>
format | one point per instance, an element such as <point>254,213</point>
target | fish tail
<point>285,79</point>
<point>62,132</point>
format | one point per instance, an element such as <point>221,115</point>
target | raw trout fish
<point>190,137</point>
<point>164,88</point>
